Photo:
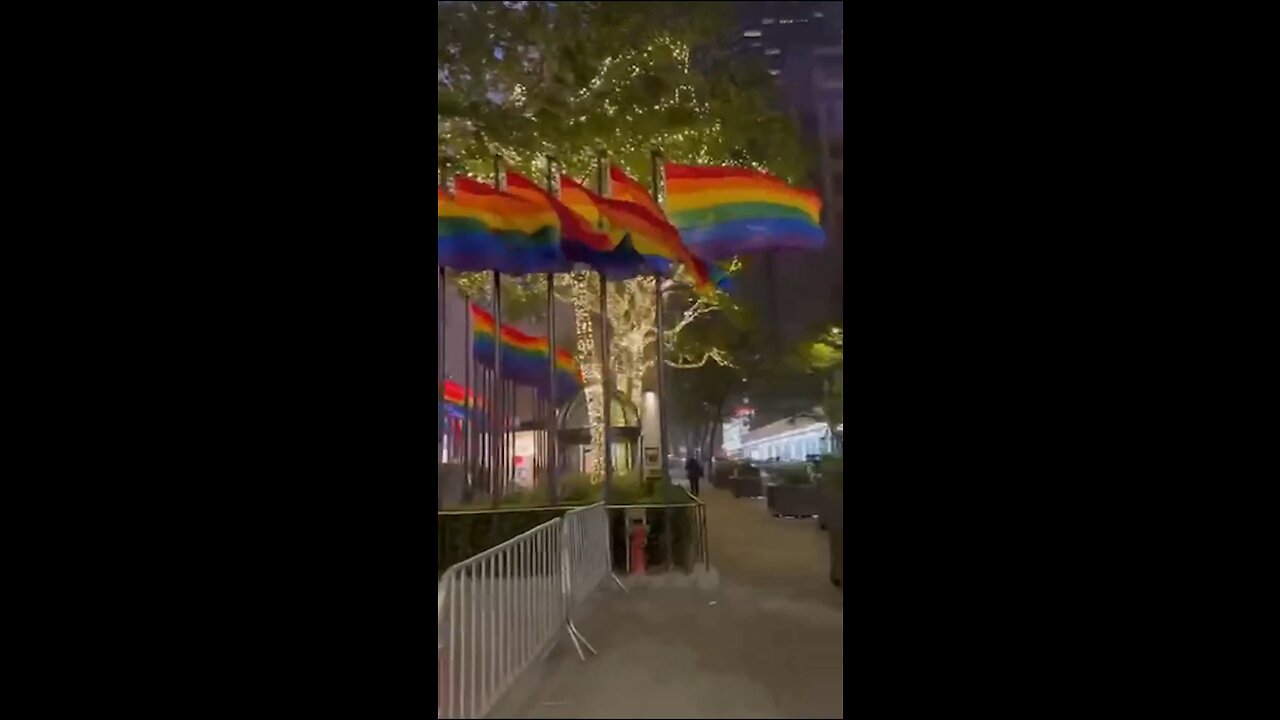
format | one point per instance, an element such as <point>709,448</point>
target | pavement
<point>762,636</point>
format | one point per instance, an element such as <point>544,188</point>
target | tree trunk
<point>711,444</point>
<point>587,360</point>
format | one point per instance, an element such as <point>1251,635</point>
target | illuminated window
<point>751,34</point>
<point>785,21</point>
<point>773,51</point>
<point>767,21</point>
<point>817,13</point>
<point>775,73</point>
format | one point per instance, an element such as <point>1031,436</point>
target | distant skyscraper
<point>802,45</point>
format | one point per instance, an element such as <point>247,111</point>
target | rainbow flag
<point>524,357</point>
<point>624,188</point>
<point>579,240</point>
<point>453,408</point>
<point>727,211</point>
<point>482,228</point>
<point>652,236</point>
<point>455,400</point>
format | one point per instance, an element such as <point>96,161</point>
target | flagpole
<point>484,453</point>
<point>497,430</point>
<point>654,171</point>
<point>469,402</point>
<point>440,432</point>
<point>509,402</point>
<point>553,494</point>
<point>657,285</point>
<point>602,187</point>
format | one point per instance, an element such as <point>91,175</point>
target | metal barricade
<point>587,562</point>
<point>495,614</point>
<point>586,549</point>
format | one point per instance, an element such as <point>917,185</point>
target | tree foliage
<point>568,79</point>
<point>824,358</point>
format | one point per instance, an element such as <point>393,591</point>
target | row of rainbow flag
<point>713,214</point>
<point>524,361</point>
<point>524,357</point>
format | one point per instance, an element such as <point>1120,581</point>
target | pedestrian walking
<point>693,471</point>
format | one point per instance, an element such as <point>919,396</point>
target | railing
<point>587,562</point>
<point>447,545</point>
<point>701,548</point>
<point>496,612</point>
<point>586,549</point>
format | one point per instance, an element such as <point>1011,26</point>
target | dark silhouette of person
<point>693,470</point>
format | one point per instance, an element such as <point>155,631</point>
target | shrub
<point>462,536</point>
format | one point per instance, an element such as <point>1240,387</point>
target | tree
<point>824,357</point>
<point>525,80</point>
<point>702,394</point>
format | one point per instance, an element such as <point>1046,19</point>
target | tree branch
<point>712,354</point>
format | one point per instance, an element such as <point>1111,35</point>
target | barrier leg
<point>576,636</point>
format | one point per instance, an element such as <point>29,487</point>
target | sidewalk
<point>767,642</point>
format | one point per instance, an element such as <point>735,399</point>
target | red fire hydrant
<point>637,548</point>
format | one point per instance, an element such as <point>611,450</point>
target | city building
<point>802,45</point>
<point>792,439</point>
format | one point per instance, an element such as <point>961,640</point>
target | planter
<point>834,516</point>
<point>747,486</point>
<point>794,500</point>
<point>829,500</point>
<point>721,473</point>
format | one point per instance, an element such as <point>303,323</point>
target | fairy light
<point>593,386</point>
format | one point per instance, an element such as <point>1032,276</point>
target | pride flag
<point>624,188</point>
<point>524,357</point>
<point>651,235</point>
<point>726,211</point>
<point>454,406</point>
<point>482,228</point>
<point>456,400</point>
<point>580,241</point>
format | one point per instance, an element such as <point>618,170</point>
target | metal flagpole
<point>503,447</point>
<point>535,405</point>
<point>546,443</point>
<point>602,187</point>
<point>662,395</point>
<point>440,430</point>
<point>440,393</point>
<point>661,369</point>
<point>497,429</point>
<point>468,419</point>
<point>509,402</point>
<point>553,494</point>
<point>484,454</point>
